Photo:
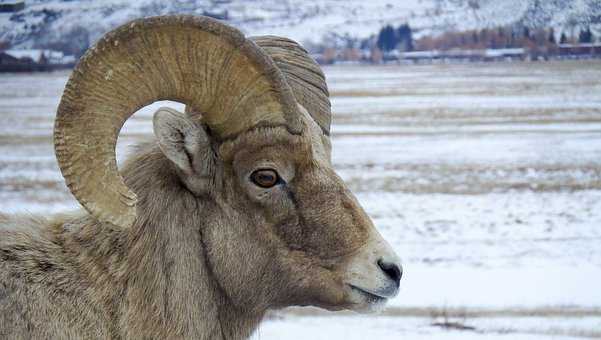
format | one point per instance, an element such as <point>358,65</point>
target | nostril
<point>392,270</point>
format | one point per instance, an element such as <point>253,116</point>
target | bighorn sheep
<point>233,210</point>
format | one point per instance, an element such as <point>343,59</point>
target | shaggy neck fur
<point>150,282</point>
<point>167,261</point>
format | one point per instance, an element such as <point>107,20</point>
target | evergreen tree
<point>527,33</point>
<point>585,36</point>
<point>475,39</point>
<point>512,42</point>
<point>405,37</point>
<point>502,38</point>
<point>366,43</point>
<point>386,38</point>
<point>552,36</point>
<point>563,39</point>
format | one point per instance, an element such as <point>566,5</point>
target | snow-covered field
<point>486,178</point>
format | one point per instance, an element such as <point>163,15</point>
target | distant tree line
<point>536,40</point>
<point>502,37</point>
<point>586,36</point>
<point>390,38</point>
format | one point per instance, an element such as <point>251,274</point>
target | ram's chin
<point>365,302</point>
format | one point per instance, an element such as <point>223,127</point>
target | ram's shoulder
<point>29,248</point>
<point>41,295</point>
<point>21,235</point>
<point>33,311</point>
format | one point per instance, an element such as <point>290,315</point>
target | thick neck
<point>171,291</point>
<point>156,284</point>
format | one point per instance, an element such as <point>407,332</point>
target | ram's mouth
<point>371,297</point>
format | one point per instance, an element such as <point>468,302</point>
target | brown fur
<point>198,263</point>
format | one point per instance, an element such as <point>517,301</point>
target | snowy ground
<point>486,178</point>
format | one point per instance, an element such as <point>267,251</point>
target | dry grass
<point>457,313</point>
<point>462,319</point>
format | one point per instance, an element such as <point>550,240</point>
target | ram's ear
<point>186,144</point>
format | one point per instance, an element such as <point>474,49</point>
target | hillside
<point>71,26</point>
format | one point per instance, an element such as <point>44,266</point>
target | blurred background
<point>470,130</point>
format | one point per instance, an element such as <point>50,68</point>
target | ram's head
<point>278,226</point>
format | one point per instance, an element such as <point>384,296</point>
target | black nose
<point>392,270</point>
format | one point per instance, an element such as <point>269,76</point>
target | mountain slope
<point>72,25</point>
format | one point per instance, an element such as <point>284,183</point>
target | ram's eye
<point>265,178</point>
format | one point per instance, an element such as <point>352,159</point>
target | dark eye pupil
<point>265,178</point>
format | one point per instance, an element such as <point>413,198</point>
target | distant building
<point>220,15</point>
<point>580,50</point>
<point>466,55</point>
<point>41,56</point>
<point>506,53</point>
<point>7,59</point>
<point>34,60</point>
<point>10,63</point>
<point>11,6</point>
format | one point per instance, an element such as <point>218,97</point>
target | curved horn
<point>198,61</point>
<point>303,74</point>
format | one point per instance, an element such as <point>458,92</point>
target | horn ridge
<point>207,65</point>
<point>303,74</point>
